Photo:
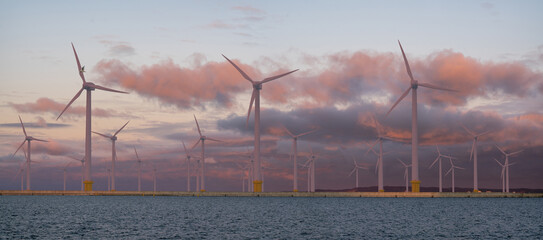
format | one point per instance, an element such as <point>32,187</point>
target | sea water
<point>128,217</point>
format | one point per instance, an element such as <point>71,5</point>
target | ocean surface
<point>106,217</point>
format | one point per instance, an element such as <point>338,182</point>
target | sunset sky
<point>167,55</point>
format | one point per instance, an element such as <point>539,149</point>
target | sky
<point>167,55</point>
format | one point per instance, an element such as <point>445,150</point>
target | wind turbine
<point>89,86</point>
<point>406,174</point>
<point>439,157</point>
<point>202,167</point>
<point>295,149</point>
<point>503,171</point>
<point>255,97</point>
<point>311,170</point>
<point>473,155</point>
<point>452,171</point>
<point>64,171</point>
<point>139,170</point>
<point>355,170</point>
<point>108,179</point>
<point>379,166</point>
<point>113,138</point>
<point>415,182</point>
<point>189,156</point>
<point>28,139</point>
<point>507,165</point>
<point>154,178</point>
<point>82,160</point>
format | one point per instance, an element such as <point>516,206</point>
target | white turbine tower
<point>154,178</point>
<point>255,97</point>
<point>406,174</point>
<point>507,155</point>
<point>501,176</point>
<point>415,182</point>
<point>139,170</point>
<point>64,173</point>
<point>452,171</point>
<point>108,179</point>
<point>439,158</point>
<point>89,86</point>
<point>311,170</point>
<point>355,170</point>
<point>295,150</point>
<point>188,155</point>
<point>202,163</point>
<point>113,138</point>
<point>28,139</point>
<point>82,160</point>
<point>379,166</point>
<point>473,155</point>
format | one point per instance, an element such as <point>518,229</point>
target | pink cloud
<point>47,105</point>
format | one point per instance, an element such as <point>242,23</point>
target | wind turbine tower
<point>255,97</point>
<point>139,170</point>
<point>439,158</point>
<point>295,149</point>
<point>507,155</point>
<point>113,139</point>
<point>89,87</point>
<point>202,163</point>
<point>415,182</point>
<point>355,170</point>
<point>28,139</point>
<point>473,155</point>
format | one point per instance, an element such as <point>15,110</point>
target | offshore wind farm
<point>271,119</point>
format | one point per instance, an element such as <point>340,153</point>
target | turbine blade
<point>79,69</point>
<point>118,131</point>
<point>484,133</point>
<point>214,139</point>
<point>405,165</point>
<point>184,147</point>
<point>438,152</point>
<point>449,171</point>
<point>250,106</point>
<point>277,76</point>
<point>196,144</point>
<point>354,169</point>
<point>197,125</point>
<point>436,87</point>
<point>239,70</point>
<point>103,135</point>
<point>399,100</point>
<point>107,89</point>
<point>306,133</point>
<point>22,125</point>
<point>498,162</point>
<point>39,140</point>
<point>289,133</point>
<point>137,156</point>
<point>434,162</point>
<point>20,146</point>
<point>514,153</point>
<point>406,63</point>
<point>371,146</point>
<point>70,103</point>
<point>501,150</point>
<point>472,150</point>
<point>467,130</point>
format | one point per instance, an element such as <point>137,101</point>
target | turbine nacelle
<point>89,86</point>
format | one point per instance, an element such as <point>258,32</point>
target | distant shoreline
<point>276,194</point>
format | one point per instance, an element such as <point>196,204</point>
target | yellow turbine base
<point>88,185</point>
<point>415,186</point>
<point>202,190</point>
<point>295,190</point>
<point>257,184</point>
<point>382,190</point>
<point>476,190</point>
